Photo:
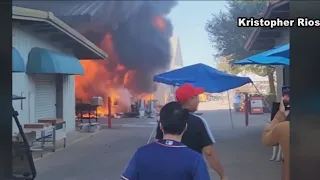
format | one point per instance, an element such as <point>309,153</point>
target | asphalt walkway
<point>105,155</point>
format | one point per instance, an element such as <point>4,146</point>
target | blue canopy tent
<point>201,75</point>
<point>278,55</point>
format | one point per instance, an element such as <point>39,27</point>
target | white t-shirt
<point>237,99</point>
<point>171,97</point>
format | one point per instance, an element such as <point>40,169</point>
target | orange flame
<point>146,97</point>
<point>159,22</point>
<point>99,80</point>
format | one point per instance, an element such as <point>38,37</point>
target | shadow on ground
<point>242,153</point>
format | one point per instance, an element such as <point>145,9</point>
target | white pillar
<point>69,102</point>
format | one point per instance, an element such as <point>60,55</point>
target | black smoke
<point>140,45</point>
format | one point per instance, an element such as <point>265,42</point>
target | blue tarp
<point>201,75</point>
<point>43,61</point>
<point>278,55</point>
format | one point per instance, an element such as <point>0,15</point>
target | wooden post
<point>109,113</point>
<point>246,109</point>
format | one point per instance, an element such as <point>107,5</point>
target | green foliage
<point>230,40</point>
<point>222,28</point>
<point>223,65</point>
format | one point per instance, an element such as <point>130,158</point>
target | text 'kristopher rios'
<point>278,22</point>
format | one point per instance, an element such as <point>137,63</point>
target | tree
<point>230,40</point>
<point>224,65</point>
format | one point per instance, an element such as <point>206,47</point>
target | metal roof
<point>64,8</point>
<point>45,22</point>
<point>106,11</point>
<point>283,12</point>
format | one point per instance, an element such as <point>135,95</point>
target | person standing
<point>237,100</point>
<point>198,136</point>
<point>278,133</point>
<point>168,158</point>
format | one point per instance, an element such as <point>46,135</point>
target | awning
<point>278,55</point>
<point>17,61</point>
<point>262,60</point>
<point>43,61</point>
<point>280,51</point>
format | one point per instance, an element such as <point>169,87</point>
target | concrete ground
<point>104,155</point>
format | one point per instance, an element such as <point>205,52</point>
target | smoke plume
<point>140,32</point>
<point>140,44</point>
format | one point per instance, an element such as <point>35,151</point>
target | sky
<point>189,19</point>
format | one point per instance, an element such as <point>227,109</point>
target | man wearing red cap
<point>198,136</point>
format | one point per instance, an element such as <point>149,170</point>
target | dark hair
<point>173,118</point>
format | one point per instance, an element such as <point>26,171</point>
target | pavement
<point>72,137</point>
<point>105,154</point>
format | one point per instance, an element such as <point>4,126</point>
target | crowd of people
<point>184,139</point>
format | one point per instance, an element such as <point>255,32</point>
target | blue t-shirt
<point>166,160</point>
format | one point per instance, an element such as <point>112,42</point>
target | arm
<point>270,135</point>
<point>212,157</point>
<point>131,171</point>
<point>208,149</point>
<point>200,170</point>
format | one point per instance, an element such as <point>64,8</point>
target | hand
<point>281,107</point>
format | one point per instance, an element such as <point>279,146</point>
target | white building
<point>163,91</point>
<point>49,52</point>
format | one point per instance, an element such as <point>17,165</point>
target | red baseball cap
<point>186,91</point>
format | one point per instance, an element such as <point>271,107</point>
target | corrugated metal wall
<point>22,84</point>
<point>69,102</point>
<point>45,96</point>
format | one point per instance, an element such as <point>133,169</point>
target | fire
<point>105,78</point>
<point>146,97</point>
<point>159,23</point>
<point>109,78</point>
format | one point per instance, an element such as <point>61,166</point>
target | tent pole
<point>262,97</point>
<point>230,110</point>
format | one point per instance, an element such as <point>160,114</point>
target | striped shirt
<point>166,160</point>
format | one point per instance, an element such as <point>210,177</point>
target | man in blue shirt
<point>168,158</point>
<point>198,136</point>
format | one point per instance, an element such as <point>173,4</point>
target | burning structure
<point>136,36</point>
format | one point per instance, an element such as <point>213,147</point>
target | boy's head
<point>173,119</point>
